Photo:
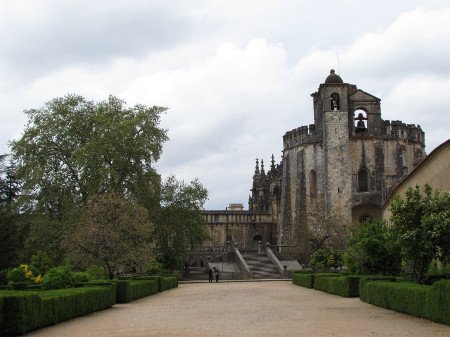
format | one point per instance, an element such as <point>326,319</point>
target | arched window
<point>360,118</point>
<point>334,100</point>
<point>312,183</point>
<point>257,237</point>
<point>363,181</point>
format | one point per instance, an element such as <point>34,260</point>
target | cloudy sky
<point>235,74</point>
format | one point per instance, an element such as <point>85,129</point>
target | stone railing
<point>273,258</point>
<point>243,266</point>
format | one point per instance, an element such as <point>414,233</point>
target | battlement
<point>301,135</point>
<point>402,131</point>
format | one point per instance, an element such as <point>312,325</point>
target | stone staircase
<point>261,266</point>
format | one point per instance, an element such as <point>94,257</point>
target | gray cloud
<point>236,75</point>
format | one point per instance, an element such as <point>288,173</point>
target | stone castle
<point>343,167</point>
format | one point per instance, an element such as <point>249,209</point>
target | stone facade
<point>344,165</point>
<point>238,228</point>
<point>434,170</point>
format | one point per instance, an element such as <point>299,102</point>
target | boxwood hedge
<point>432,302</point>
<point>168,282</point>
<point>338,284</point>
<point>27,310</point>
<point>132,289</point>
<point>303,279</point>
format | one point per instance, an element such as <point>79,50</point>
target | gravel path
<point>245,309</point>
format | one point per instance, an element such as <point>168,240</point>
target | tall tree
<point>373,248</point>
<point>112,232</point>
<point>72,149</point>
<point>423,224</point>
<point>10,229</point>
<point>180,225</point>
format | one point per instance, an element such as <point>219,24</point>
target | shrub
<point>24,273</point>
<point>325,258</point>
<point>373,249</point>
<point>63,304</point>
<point>21,312</point>
<point>97,272</point>
<point>404,297</point>
<point>42,262</point>
<point>4,277</point>
<point>337,284</point>
<point>438,302</point>
<point>168,282</point>
<point>303,279</point>
<point>58,278</point>
<point>25,311</point>
<point>155,268</point>
<point>2,314</point>
<point>129,290</point>
<point>17,275</point>
<point>81,276</point>
<point>365,279</point>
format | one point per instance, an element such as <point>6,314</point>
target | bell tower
<point>337,182</point>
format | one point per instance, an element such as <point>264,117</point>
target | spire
<point>272,165</point>
<point>257,167</point>
<point>262,167</point>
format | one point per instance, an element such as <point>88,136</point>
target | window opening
<point>312,183</point>
<point>360,125</point>
<point>363,181</point>
<point>335,103</point>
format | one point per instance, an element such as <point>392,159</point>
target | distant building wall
<point>434,170</point>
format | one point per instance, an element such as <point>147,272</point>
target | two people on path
<point>216,274</point>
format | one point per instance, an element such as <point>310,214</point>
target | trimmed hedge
<point>338,284</point>
<point>2,313</point>
<point>25,311</point>
<point>431,302</point>
<point>363,281</point>
<point>303,279</point>
<point>21,312</point>
<point>404,297</point>
<point>168,282</point>
<point>129,289</point>
<point>438,302</point>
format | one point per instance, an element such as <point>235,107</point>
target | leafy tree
<point>373,249</point>
<point>9,184</point>
<point>327,229</point>
<point>72,149</point>
<point>422,222</point>
<point>10,229</point>
<point>41,262</point>
<point>325,258</point>
<point>113,232</point>
<point>180,225</point>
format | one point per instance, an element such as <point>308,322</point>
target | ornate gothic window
<point>363,181</point>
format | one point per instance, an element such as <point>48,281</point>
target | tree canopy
<point>113,232</point>
<point>72,149</point>
<point>422,221</point>
<point>180,225</point>
<point>373,249</point>
<point>87,180</point>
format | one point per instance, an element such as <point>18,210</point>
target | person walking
<point>210,274</point>
<point>217,275</point>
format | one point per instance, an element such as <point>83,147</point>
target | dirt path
<point>245,309</point>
